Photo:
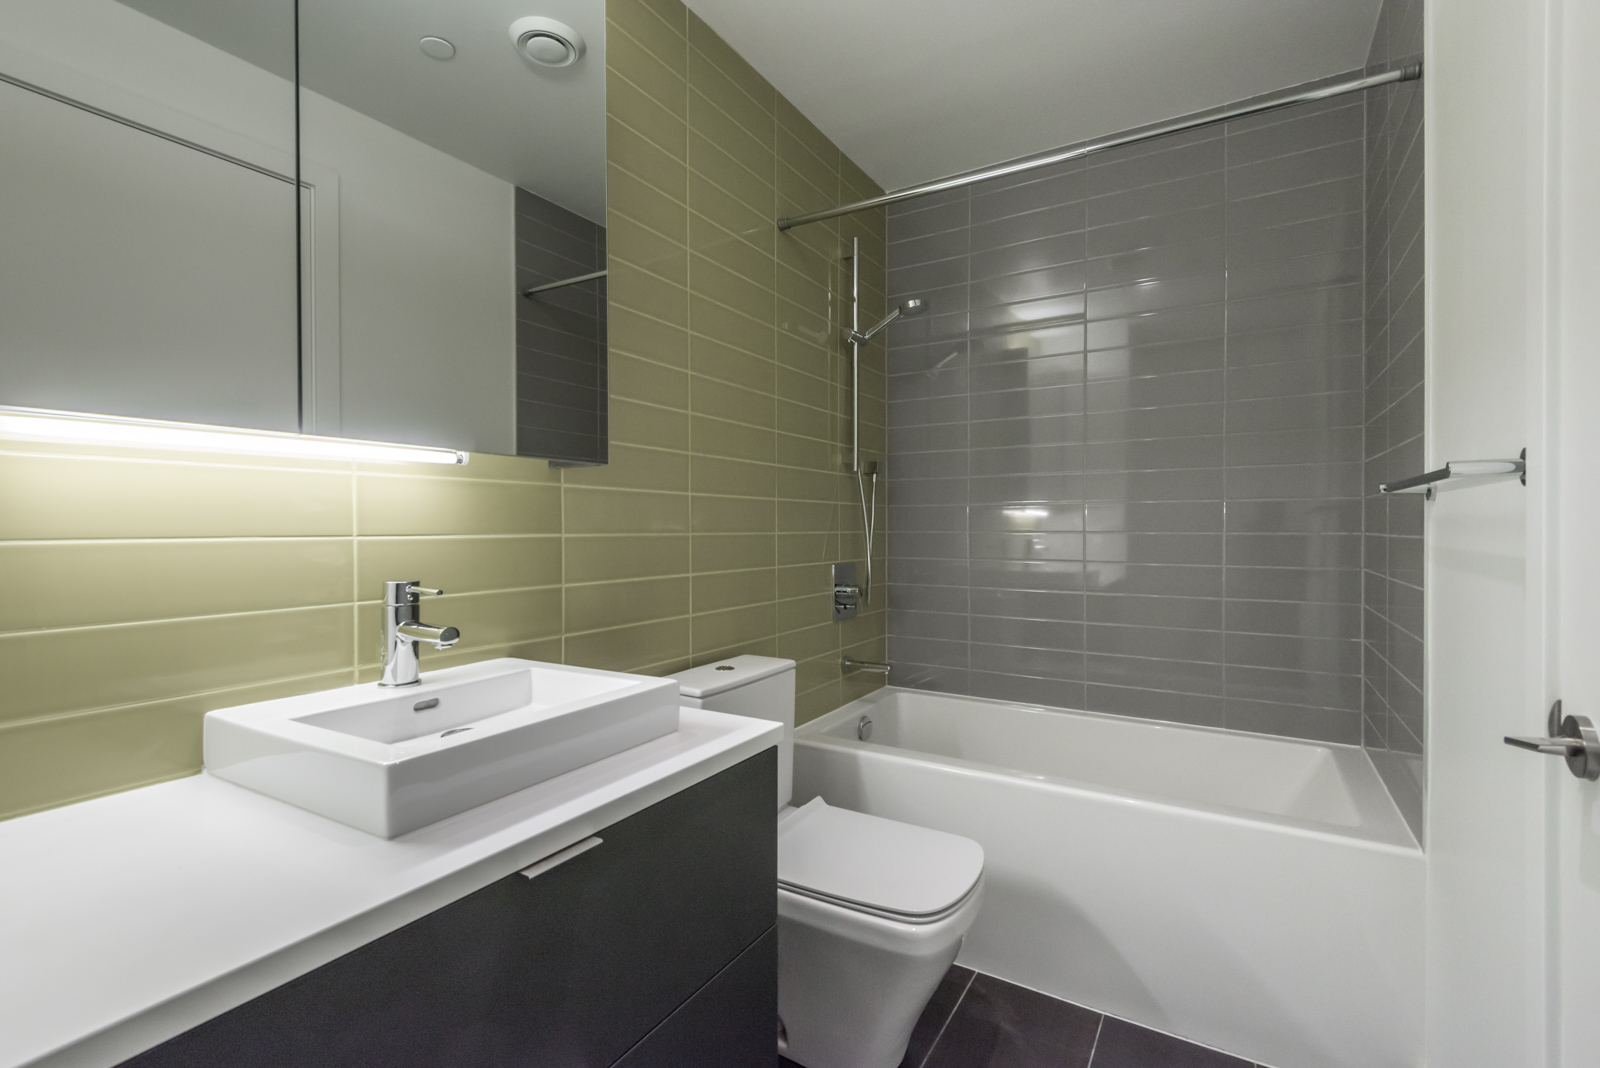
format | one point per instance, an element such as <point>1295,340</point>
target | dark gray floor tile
<point>1126,1045</point>
<point>932,1022</point>
<point>998,1025</point>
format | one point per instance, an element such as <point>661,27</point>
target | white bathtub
<point>1251,893</point>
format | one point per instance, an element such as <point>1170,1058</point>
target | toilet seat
<point>881,867</point>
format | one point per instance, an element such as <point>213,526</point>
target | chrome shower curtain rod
<point>1302,94</point>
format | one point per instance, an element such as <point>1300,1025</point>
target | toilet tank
<point>759,686</point>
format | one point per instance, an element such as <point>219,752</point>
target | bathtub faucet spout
<point>851,664</point>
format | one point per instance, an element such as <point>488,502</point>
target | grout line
<point>355,578</point>
<point>127,706</point>
<point>1366,297</point>
<point>960,1000</point>
<point>1101,1026</point>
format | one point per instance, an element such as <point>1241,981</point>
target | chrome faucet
<point>403,631</point>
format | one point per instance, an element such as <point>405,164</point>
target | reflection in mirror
<point>453,157</point>
<point>147,209</point>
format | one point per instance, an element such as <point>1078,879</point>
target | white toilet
<point>871,912</point>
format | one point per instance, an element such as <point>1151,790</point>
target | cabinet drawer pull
<point>555,860</point>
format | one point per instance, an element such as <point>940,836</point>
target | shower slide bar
<point>535,290</point>
<point>1301,94</point>
<point>1460,469</point>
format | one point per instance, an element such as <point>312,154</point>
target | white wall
<point>1574,939</point>
<point>1486,78</point>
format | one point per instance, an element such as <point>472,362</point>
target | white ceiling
<point>914,90</point>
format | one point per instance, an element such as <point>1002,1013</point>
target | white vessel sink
<point>389,760</point>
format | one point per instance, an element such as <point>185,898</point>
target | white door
<point>1575,871</point>
<point>1513,966</point>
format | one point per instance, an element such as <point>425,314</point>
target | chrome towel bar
<point>1425,482</point>
<point>536,290</point>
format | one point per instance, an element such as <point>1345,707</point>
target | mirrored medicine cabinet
<point>356,218</point>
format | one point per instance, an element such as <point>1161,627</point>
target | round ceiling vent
<point>437,47</point>
<point>547,42</point>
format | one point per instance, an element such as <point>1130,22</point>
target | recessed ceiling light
<point>437,47</point>
<point>547,42</point>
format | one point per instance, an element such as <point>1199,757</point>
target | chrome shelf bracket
<point>1427,482</point>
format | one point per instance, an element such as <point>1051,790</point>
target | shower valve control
<point>846,592</point>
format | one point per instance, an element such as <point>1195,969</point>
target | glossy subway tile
<point>1156,422</point>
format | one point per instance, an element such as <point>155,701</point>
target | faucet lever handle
<point>423,591</point>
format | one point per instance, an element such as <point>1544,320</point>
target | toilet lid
<point>708,680</point>
<point>884,865</point>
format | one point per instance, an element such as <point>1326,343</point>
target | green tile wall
<point>146,588</point>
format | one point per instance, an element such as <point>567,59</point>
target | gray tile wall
<point>1125,451</point>
<point>561,336</point>
<point>1392,655</point>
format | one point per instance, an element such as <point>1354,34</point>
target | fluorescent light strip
<point>34,424</point>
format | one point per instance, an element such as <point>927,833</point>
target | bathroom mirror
<point>155,262</point>
<point>147,209</point>
<point>452,157</point>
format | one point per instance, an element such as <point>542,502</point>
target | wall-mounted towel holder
<point>536,290</point>
<point>1460,469</point>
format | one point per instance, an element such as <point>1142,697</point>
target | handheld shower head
<point>906,309</point>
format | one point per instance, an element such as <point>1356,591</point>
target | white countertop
<point>132,918</point>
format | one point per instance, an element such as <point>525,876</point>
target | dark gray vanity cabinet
<point>654,949</point>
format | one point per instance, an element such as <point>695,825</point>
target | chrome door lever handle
<point>1573,737</point>
<point>1552,746</point>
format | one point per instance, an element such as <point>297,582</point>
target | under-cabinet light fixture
<point>37,424</point>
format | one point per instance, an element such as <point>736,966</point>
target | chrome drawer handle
<point>1572,737</point>
<point>555,860</point>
